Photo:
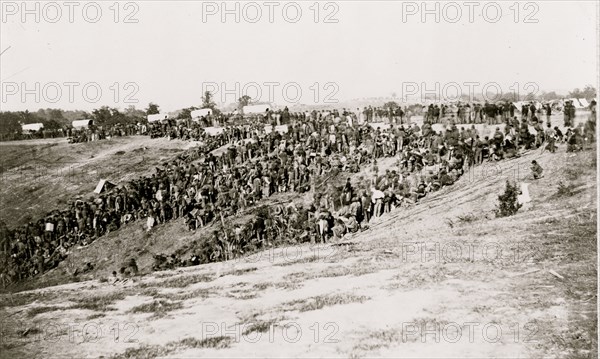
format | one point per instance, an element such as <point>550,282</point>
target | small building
<point>158,117</point>
<point>197,114</point>
<point>31,127</point>
<point>256,109</point>
<point>80,124</point>
<point>213,131</point>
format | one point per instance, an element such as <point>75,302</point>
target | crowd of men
<point>96,133</point>
<point>252,162</point>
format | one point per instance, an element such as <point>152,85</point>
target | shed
<point>201,113</point>
<point>255,109</point>
<point>32,127</point>
<point>82,123</point>
<point>158,117</point>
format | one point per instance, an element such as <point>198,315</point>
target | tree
<point>41,113</point>
<point>101,115</point>
<point>186,113</point>
<point>56,115</point>
<point>207,101</point>
<point>105,116</point>
<point>9,123</point>
<point>52,124</point>
<point>589,92</point>
<point>575,93</point>
<point>390,105</point>
<point>244,101</point>
<point>132,114</point>
<point>152,109</point>
<point>549,96</point>
<point>71,116</point>
<point>507,202</point>
<point>28,117</point>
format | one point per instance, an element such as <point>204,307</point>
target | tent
<point>255,109</point>
<point>213,131</point>
<point>32,127</point>
<point>103,186</point>
<point>279,128</point>
<point>576,103</point>
<point>82,123</point>
<point>201,113</point>
<point>380,125</point>
<point>584,102</point>
<point>518,105</point>
<point>158,117</point>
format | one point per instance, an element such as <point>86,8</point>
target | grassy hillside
<point>38,176</point>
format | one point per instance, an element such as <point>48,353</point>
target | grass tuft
<point>322,301</point>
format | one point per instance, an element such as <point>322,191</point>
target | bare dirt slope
<point>444,278</point>
<point>37,176</point>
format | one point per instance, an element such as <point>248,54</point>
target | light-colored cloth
<point>150,223</point>
<point>524,196</point>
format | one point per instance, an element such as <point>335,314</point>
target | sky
<point>83,55</point>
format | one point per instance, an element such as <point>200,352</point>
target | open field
<point>444,278</point>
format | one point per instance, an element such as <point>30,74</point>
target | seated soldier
<point>352,225</point>
<point>339,229</point>
<point>445,179</point>
<point>537,170</point>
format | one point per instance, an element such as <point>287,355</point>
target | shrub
<point>565,190</point>
<point>508,204</point>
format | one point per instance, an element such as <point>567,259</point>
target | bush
<point>565,190</point>
<point>508,204</point>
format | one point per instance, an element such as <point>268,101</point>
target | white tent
<point>201,113</point>
<point>82,123</point>
<point>32,127</point>
<point>576,103</point>
<point>380,125</point>
<point>584,102</point>
<point>280,129</point>
<point>213,131</point>
<point>103,185</point>
<point>255,109</point>
<point>158,117</point>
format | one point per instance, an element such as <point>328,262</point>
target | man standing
<point>550,138</point>
<point>524,111</point>
<point>571,114</point>
<point>567,113</point>
<point>548,113</point>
